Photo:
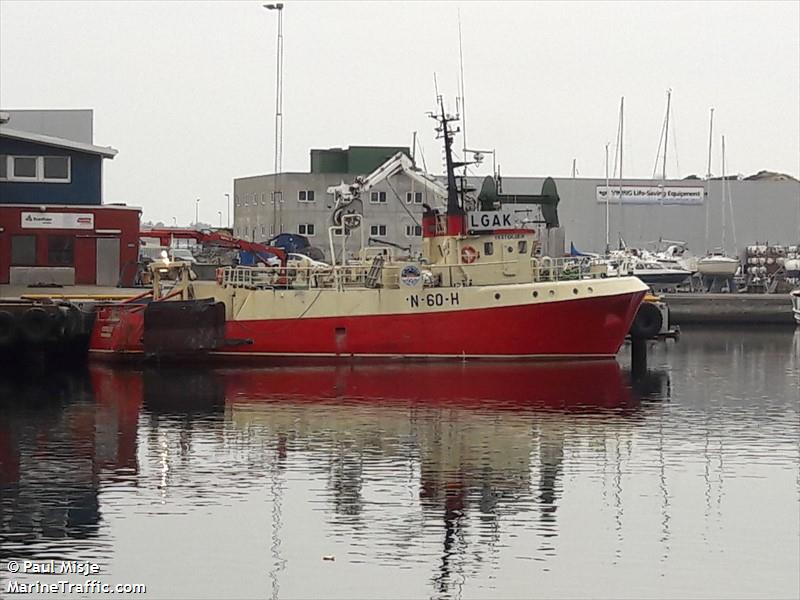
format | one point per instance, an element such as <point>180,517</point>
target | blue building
<point>43,169</point>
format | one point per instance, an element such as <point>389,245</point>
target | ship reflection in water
<point>481,479</point>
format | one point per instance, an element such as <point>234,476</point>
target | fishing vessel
<point>476,291</point>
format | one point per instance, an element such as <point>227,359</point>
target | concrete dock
<point>730,309</point>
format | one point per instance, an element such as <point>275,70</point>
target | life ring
<point>36,325</point>
<point>469,255</point>
<point>8,328</point>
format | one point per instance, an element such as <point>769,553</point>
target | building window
<point>305,196</point>
<point>377,197</point>
<point>23,250</point>
<point>379,230</point>
<point>24,167</point>
<point>35,168</point>
<point>413,230</point>
<point>306,229</point>
<point>56,167</point>
<point>414,197</point>
<point>60,250</point>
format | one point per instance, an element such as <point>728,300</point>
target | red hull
<point>499,385</point>
<point>591,327</point>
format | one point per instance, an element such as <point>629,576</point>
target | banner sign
<point>651,194</point>
<point>53,220</point>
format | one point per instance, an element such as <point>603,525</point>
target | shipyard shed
<point>54,228</point>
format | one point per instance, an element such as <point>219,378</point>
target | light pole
<point>278,166</point>
<point>228,196</point>
<point>174,221</point>
<point>219,212</point>
<point>196,212</point>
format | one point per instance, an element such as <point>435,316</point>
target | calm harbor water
<point>419,480</point>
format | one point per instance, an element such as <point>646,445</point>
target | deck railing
<point>357,274</point>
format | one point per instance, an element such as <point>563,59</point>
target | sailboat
<point>717,264</point>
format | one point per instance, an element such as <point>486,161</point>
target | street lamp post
<point>196,212</point>
<point>228,196</point>
<point>174,221</point>
<point>219,212</point>
<point>277,223</point>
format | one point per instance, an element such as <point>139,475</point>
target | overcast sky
<point>185,91</point>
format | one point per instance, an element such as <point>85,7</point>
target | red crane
<point>213,238</point>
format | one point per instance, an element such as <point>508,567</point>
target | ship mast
<point>455,211</point>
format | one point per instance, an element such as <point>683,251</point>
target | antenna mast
<point>463,100</point>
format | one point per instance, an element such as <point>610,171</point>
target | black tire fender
<point>8,328</point>
<point>36,325</point>
<point>648,321</point>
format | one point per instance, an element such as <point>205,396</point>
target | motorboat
<point>649,270</point>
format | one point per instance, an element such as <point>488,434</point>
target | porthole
<point>590,289</point>
<point>552,292</point>
<point>535,294</point>
<point>497,296</point>
<point>575,291</point>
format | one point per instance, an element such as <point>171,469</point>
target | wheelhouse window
<point>488,248</point>
<point>522,246</point>
<point>377,197</point>
<point>3,166</point>
<point>306,229</point>
<point>60,250</point>
<point>23,250</point>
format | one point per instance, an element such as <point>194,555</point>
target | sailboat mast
<point>621,137</point>
<point>664,164</point>
<point>608,193</point>
<point>723,194</point>
<point>666,137</point>
<point>708,170</point>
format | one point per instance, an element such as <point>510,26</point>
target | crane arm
<point>399,163</point>
<point>217,239</point>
